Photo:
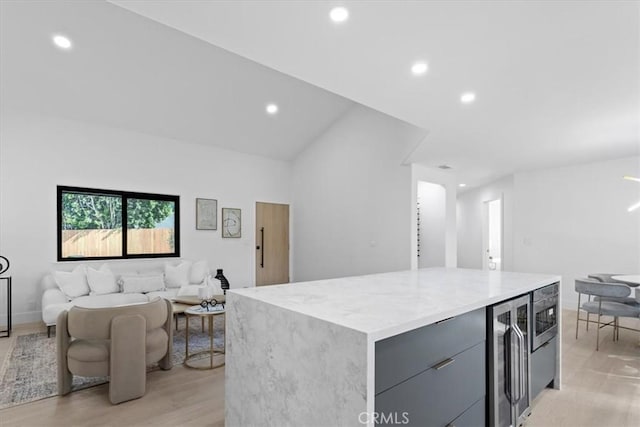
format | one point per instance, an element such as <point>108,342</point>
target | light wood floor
<point>599,389</point>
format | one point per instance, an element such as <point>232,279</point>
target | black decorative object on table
<point>4,266</point>
<point>206,303</point>
<point>224,283</point>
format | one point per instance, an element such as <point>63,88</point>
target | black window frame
<point>125,195</point>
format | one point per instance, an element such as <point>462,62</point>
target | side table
<point>198,311</point>
<point>181,303</point>
<point>7,332</point>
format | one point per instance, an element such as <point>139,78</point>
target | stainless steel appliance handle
<point>515,367</point>
<point>521,360</point>
<point>508,362</point>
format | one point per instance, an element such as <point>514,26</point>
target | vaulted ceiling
<point>130,72</point>
<point>556,82</point>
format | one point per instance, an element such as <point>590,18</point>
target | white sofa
<point>135,281</point>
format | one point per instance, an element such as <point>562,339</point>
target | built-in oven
<point>544,313</point>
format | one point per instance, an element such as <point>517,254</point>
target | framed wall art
<point>206,214</point>
<point>231,222</point>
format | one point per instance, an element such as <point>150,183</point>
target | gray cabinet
<point>405,355</point>
<point>543,366</point>
<point>435,375</point>
<point>472,417</point>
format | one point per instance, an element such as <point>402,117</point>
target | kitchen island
<point>304,354</point>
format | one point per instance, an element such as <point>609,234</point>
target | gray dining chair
<point>604,307</point>
<point>603,277</point>
<point>608,278</point>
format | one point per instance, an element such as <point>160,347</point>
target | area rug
<point>29,371</point>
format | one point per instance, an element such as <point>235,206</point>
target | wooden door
<point>272,243</point>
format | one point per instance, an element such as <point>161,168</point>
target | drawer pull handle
<point>443,364</point>
<point>445,320</point>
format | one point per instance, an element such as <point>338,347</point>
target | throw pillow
<point>73,284</point>
<point>198,272</point>
<point>141,284</point>
<point>176,276</point>
<point>188,290</point>
<point>102,281</point>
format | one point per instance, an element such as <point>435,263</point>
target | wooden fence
<point>94,243</point>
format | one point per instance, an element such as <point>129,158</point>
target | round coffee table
<point>198,311</point>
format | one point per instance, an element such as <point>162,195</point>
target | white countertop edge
<point>430,319</point>
<point>380,334</point>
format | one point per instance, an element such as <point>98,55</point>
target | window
<point>91,224</point>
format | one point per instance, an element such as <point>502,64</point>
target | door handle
<point>262,245</point>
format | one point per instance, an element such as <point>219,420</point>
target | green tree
<point>144,213</point>
<point>87,212</point>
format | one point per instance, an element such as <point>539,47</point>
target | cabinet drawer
<point>438,395</point>
<point>472,417</point>
<point>543,367</point>
<point>405,355</point>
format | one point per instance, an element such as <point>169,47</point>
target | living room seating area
<point>117,283</point>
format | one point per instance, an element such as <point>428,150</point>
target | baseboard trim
<point>26,317</point>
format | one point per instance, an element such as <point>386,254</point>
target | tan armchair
<point>119,342</point>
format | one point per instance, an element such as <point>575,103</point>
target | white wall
<point>448,181</point>
<point>470,222</point>
<point>570,221</point>
<point>432,229</point>
<point>38,153</point>
<point>352,198</point>
<point>574,221</point>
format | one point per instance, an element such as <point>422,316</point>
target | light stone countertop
<point>384,305</point>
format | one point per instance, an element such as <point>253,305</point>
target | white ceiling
<point>557,82</point>
<point>130,72</point>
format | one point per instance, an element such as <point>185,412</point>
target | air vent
<point>444,167</point>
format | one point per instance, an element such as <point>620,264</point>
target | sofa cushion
<point>166,294</point>
<point>141,284</point>
<point>109,300</point>
<point>50,312</point>
<point>74,283</point>
<point>198,272</point>
<point>102,281</point>
<point>176,276</point>
<point>188,290</point>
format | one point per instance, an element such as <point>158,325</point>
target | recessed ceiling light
<point>462,185</point>
<point>272,109</point>
<point>467,97</point>
<point>419,68</point>
<point>339,14</point>
<point>444,167</point>
<point>62,42</point>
